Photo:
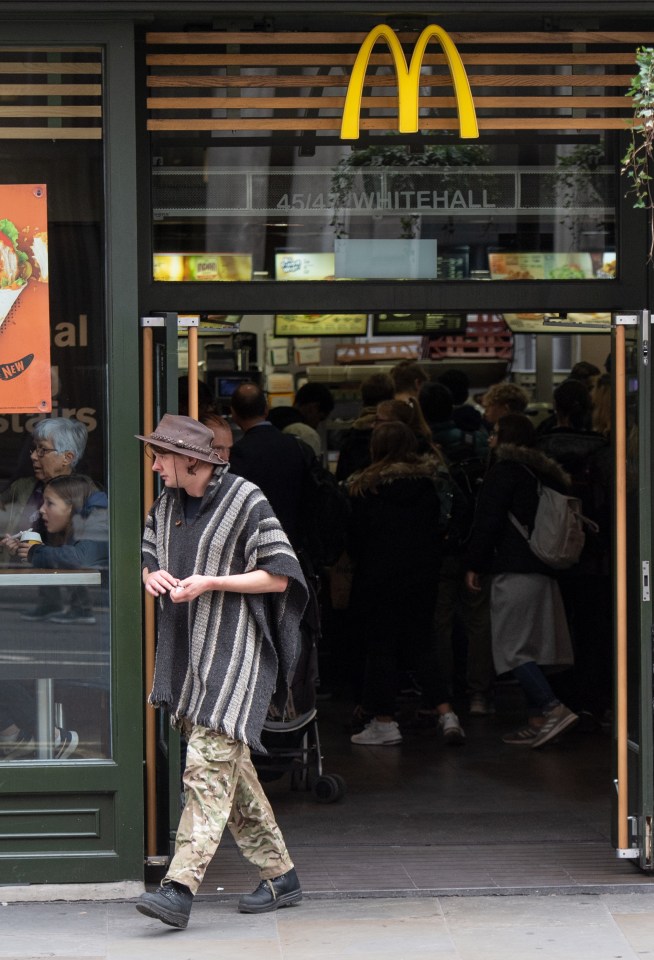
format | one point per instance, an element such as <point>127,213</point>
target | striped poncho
<point>222,658</point>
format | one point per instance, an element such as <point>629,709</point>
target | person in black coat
<point>270,459</point>
<point>528,622</point>
<point>395,544</point>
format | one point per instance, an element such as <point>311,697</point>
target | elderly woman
<point>528,623</point>
<point>57,447</point>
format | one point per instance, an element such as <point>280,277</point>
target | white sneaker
<point>378,733</point>
<point>449,726</point>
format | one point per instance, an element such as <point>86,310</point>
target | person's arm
<point>256,581</point>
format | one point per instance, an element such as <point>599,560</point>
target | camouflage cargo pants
<point>222,789</point>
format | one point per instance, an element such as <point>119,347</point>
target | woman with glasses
<point>57,447</point>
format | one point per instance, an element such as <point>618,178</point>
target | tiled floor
<point>423,819</point>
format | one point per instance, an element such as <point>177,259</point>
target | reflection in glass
<point>262,211</point>
<point>54,589</point>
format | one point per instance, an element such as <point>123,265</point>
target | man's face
<point>222,441</point>
<point>168,465</point>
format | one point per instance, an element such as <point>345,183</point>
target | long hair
<point>601,397</point>
<point>408,412</point>
<point>74,489</point>
<point>392,442</point>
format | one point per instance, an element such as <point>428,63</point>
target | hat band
<point>180,443</point>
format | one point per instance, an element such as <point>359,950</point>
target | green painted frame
<point>108,794</point>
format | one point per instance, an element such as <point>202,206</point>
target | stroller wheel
<point>329,788</point>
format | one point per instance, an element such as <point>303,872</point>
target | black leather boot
<point>171,904</point>
<point>284,891</point>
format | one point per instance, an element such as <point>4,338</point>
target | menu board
<point>541,266</point>
<point>396,324</point>
<point>558,323</point>
<point>321,324</point>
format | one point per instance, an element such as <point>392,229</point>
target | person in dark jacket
<point>268,458</point>
<point>466,453</point>
<point>528,622</point>
<point>587,456</point>
<point>355,447</point>
<point>395,543</point>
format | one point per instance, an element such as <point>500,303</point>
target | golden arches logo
<point>408,81</point>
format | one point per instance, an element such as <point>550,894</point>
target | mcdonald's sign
<point>408,81</point>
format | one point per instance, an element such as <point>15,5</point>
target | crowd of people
<point>439,492</point>
<point>445,602</point>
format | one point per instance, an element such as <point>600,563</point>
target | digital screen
<point>227,385</point>
<point>321,324</point>
<point>558,322</point>
<point>396,324</point>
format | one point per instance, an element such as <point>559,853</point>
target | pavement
<point>576,927</point>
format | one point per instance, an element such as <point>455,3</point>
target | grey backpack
<point>558,535</point>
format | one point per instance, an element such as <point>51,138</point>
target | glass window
<point>54,552</point>
<point>263,210</point>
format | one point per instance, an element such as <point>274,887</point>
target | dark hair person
<point>528,622</point>
<point>395,543</point>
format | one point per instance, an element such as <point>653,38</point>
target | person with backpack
<point>529,630</point>
<point>586,455</point>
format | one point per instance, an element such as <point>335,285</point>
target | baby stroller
<point>292,740</point>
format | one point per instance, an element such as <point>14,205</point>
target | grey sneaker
<point>556,721</point>
<point>449,726</point>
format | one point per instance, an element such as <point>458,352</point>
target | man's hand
<point>191,587</point>
<point>159,582</point>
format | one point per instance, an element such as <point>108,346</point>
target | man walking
<point>231,596</point>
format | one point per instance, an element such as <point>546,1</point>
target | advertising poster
<point>540,266</point>
<point>304,266</point>
<point>202,267</point>
<point>25,382</point>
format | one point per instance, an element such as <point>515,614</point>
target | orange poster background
<point>25,384</point>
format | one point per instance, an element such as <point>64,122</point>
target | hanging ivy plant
<point>637,161</point>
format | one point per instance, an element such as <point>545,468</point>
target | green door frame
<point>83,822</point>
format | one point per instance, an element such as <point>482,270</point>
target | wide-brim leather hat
<point>184,435</point>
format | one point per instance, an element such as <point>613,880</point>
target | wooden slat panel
<point>184,67</point>
<point>44,112</point>
<point>313,59</point>
<point>51,67</point>
<point>384,123</point>
<point>48,108</point>
<point>52,90</point>
<point>355,39</point>
<point>309,103</point>
<point>476,80</point>
<point>50,133</point>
